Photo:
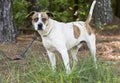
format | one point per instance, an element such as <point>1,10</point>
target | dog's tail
<point>91,11</point>
<point>88,27</point>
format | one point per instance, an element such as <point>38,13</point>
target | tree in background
<point>117,8</point>
<point>7,28</point>
<point>103,12</point>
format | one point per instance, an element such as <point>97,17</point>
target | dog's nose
<point>40,26</point>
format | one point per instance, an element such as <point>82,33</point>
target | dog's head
<point>40,20</point>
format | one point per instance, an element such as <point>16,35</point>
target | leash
<point>22,55</point>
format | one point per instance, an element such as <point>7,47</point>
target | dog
<point>65,38</point>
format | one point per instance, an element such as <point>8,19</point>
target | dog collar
<point>48,32</point>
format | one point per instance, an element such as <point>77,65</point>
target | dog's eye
<point>44,19</point>
<point>36,19</point>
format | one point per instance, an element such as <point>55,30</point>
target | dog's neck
<point>48,30</point>
<point>48,33</point>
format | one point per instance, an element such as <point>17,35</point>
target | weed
<point>38,70</point>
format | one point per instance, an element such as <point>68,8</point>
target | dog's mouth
<point>40,26</point>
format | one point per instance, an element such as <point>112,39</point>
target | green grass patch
<point>38,70</point>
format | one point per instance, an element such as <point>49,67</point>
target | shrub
<point>63,10</point>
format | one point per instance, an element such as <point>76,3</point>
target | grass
<point>38,70</point>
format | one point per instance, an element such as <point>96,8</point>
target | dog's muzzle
<point>40,25</point>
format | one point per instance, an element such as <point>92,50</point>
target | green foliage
<point>38,70</point>
<point>20,11</point>
<point>104,26</point>
<point>63,10</point>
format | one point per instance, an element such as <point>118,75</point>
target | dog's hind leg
<point>52,58</point>
<point>92,47</point>
<point>73,53</point>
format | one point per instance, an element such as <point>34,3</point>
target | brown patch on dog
<point>88,27</point>
<point>44,15</point>
<point>35,15</point>
<point>76,31</point>
<point>30,14</point>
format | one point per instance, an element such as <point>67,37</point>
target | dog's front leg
<point>52,58</point>
<point>65,57</point>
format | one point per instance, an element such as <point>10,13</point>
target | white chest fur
<point>48,44</point>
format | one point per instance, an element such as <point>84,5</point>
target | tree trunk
<point>117,9</point>
<point>103,12</point>
<point>7,28</point>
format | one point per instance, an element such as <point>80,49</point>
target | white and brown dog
<point>65,38</point>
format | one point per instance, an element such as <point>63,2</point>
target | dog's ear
<point>49,14</point>
<point>30,14</point>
